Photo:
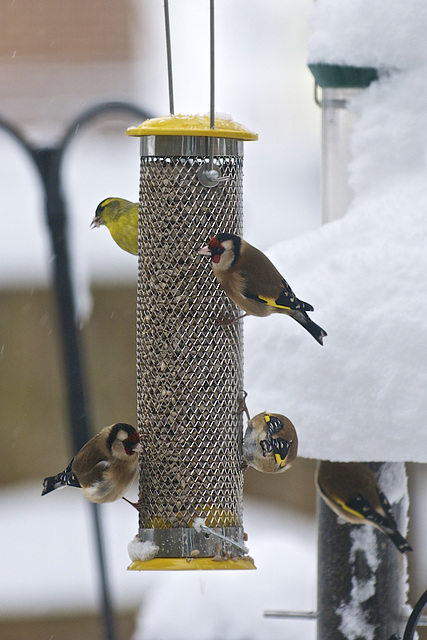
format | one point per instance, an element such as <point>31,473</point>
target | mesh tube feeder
<point>189,368</point>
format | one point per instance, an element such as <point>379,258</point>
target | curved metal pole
<point>87,116</point>
<point>48,161</point>
<point>415,617</point>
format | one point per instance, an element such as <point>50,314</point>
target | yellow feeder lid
<point>192,564</point>
<point>179,125</point>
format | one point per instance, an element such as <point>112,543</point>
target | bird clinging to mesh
<point>121,219</point>
<point>104,467</point>
<point>253,283</point>
<point>270,442</point>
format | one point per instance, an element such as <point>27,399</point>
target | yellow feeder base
<point>180,125</point>
<point>193,564</point>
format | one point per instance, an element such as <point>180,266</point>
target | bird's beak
<point>138,447</point>
<point>204,251</point>
<point>96,222</point>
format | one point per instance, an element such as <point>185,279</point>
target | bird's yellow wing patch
<point>279,461</point>
<point>272,302</point>
<point>345,506</point>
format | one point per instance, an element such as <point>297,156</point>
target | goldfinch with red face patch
<point>351,490</point>
<point>253,283</point>
<point>121,219</point>
<point>104,467</point>
<point>270,443</point>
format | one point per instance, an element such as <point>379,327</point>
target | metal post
<point>48,162</point>
<point>337,127</point>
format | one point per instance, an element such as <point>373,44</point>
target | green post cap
<point>339,76</point>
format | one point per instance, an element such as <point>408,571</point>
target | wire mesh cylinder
<point>189,368</point>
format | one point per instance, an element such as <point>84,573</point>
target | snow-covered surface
<point>354,622</point>
<point>368,33</point>
<point>361,396</point>
<point>49,566</point>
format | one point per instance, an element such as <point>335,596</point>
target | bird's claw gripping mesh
<point>189,368</point>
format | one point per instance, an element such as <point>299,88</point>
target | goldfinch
<point>104,467</point>
<point>253,282</point>
<point>270,443</point>
<point>351,490</point>
<point>121,219</point>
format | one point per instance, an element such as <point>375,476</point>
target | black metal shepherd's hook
<point>413,619</point>
<point>48,161</point>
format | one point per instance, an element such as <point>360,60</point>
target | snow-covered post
<point>361,576</point>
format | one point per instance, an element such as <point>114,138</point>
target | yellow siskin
<point>253,283</point>
<point>121,219</point>
<point>104,467</point>
<point>351,490</point>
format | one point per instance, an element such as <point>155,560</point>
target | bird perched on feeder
<point>121,219</point>
<point>270,443</point>
<point>253,282</point>
<point>351,490</point>
<point>104,467</point>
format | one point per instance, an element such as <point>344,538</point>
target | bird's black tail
<point>65,478</point>
<point>317,332</point>
<point>398,540</point>
<point>390,527</point>
<point>50,484</point>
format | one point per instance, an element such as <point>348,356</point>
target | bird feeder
<point>189,366</point>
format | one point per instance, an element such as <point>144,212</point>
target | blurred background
<point>57,59</point>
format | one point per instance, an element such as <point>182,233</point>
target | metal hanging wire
<point>212,176</point>
<point>169,57</point>
<point>209,173</point>
<point>212,62</point>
